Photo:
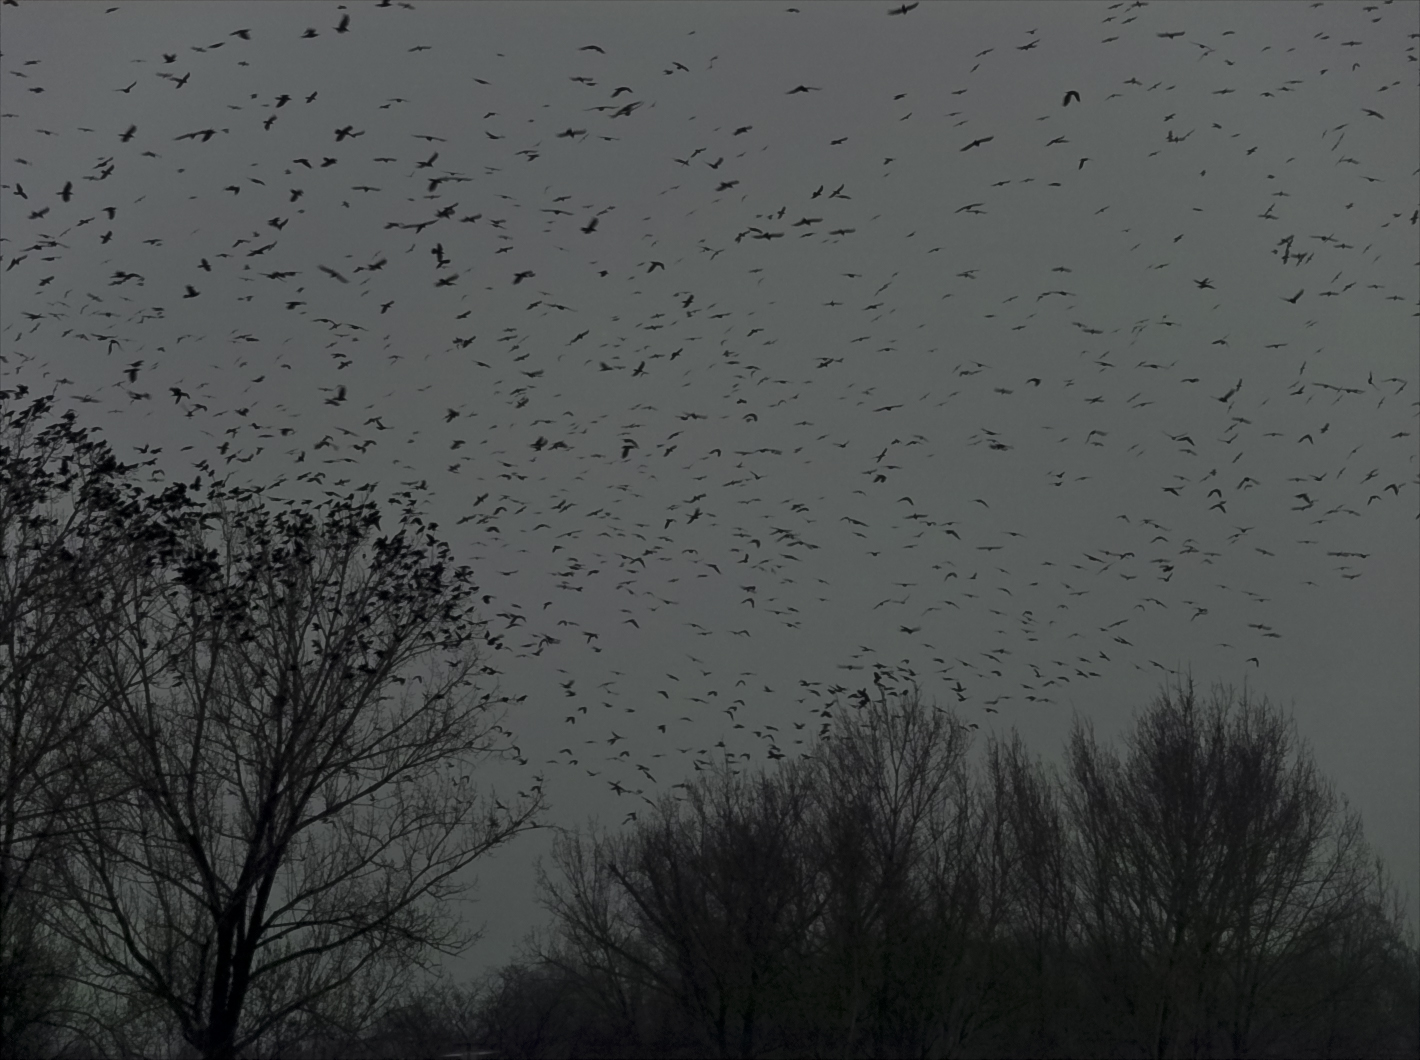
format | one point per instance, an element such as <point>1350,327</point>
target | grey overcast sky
<point>745,347</point>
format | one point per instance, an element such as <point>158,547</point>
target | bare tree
<point>912,890</point>
<point>1032,833</point>
<point>708,902</point>
<point>71,517</point>
<point>290,711</point>
<point>1213,863</point>
<point>538,1009</point>
<point>597,951</point>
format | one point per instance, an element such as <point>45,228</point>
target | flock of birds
<point>973,363</point>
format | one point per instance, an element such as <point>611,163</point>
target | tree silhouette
<point>1214,869</point>
<point>74,530</point>
<point>288,710</point>
<point>1032,836</point>
<point>706,903</point>
<point>902,841</point>
<point>1203,893</point>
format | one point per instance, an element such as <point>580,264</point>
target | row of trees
<point>1202,893</point>
<point>235,745</point>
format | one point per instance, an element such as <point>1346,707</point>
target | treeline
<point>1202,893</point>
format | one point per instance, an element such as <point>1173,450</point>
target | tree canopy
<point>251,724</point>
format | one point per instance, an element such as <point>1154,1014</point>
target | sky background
<point>732,393</point>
